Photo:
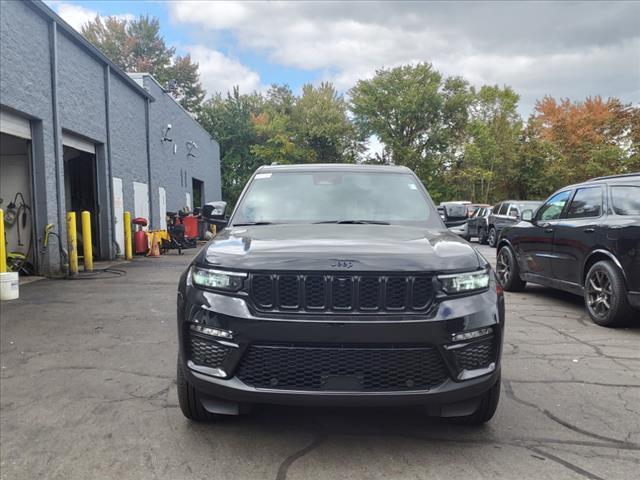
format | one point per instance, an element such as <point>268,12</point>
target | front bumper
<point>634,299</point>
<point>462,230</point>
<point>341,333</point>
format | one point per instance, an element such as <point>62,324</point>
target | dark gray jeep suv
<point>338,285</point>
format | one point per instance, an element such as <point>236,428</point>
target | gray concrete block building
<point>78,133</point>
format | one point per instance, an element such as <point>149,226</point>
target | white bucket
<point>9,286</point>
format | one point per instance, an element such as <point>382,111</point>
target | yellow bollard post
<point>72,243</point>
<point>128,254</point>
<point>87,245</point>
<point>3,247</point>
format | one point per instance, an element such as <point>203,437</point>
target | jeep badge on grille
<point>335,263</point>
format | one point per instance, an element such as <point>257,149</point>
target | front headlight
<point>218,279</point>
<point>464,282</point>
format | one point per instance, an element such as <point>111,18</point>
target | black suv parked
<point>506,214</point>
<point>584,239</point>
<point>478,225</point>
<point>338,285</point>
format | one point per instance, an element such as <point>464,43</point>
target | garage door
<point>14,125</point>
<point>79,143</point>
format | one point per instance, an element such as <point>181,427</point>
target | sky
<point>566,50</point>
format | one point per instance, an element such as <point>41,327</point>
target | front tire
<point>482,236</point>
<point>487,408</point>
<point>508,271</point>
<point>492,239</point>
<point>189,399</point>
<point>605,295</point>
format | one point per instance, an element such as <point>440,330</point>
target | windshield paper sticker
<point>263,175</point>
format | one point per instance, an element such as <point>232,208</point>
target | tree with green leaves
<point>322,125</point>
<point>531,176</point>
<point>491,144</point>
<point>276,139</point>
<point>183,80</point>
<point>229,120</point>
<point>137,46</point>
<point>417,114</point>
<point>276,142</point>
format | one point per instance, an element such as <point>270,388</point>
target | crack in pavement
<point>581,382</point>
<point>102,369</point>
<point>532,444</point>
<point>283,469</point>
<point>564,463</point>
<point>596,348</point>
<point>508,387</point>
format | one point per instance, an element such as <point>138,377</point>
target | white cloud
<point>374,147</point>
<point>561,49</point>
<point>219,73</point>
<point>77,15</point>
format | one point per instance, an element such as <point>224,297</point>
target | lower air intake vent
<point>355,368</point>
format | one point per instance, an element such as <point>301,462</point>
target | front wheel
<point>508,271</point>
<point>482,236</point>
<point>189,399</point>
<point>492,239</point>
<point>487,408</point>
<point>605,295</point>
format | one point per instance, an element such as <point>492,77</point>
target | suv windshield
<point>336,196</point>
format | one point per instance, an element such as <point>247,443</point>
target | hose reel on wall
<point>17,214</point>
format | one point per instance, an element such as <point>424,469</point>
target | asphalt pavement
<point>87,391</point>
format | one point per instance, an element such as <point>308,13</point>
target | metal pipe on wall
<point>57,132</point>
<point>3,251</point>
<point>148,134</point>
<point>107,101</point>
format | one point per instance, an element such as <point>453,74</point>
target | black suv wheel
<point>492,237</point>
<point>482,236</point>
<point>605,295</point>
<point>508,271</point>
<point>487,408</point>
<point>189,399</point>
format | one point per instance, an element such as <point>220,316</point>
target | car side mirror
<point>214,212</point>
<point>527,215</point>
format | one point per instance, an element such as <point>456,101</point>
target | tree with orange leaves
<point>586,139</point>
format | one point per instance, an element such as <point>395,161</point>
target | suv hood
<point>340,247</point>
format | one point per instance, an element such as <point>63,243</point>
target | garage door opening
<point>16,202</point>
<point>198,194</point>
<point>80,184</point>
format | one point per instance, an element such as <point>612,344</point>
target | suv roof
<point>622,176</point>
<point>608,179</point>
<point>333,166</point>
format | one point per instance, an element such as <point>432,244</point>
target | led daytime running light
<point>458,337</point>
<point>214,332</point>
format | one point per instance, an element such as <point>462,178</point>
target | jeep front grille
<point>319,292</point>
<point>342,367</point>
